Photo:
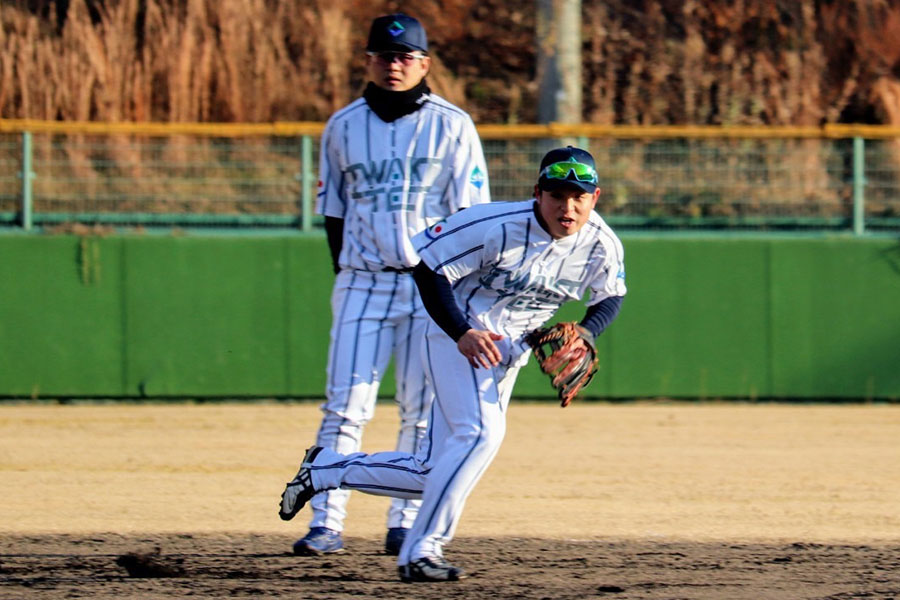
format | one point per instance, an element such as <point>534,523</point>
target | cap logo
<point>395,29</point>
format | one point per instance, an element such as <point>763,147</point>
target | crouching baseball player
<point>490,277</point>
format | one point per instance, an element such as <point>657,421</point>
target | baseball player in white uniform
<point>393,163</point>
<point>489,275</point>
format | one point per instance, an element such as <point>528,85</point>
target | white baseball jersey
<point>389,181</point>
<point>523,274</point>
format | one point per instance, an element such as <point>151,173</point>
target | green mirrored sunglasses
<point>561,170</point>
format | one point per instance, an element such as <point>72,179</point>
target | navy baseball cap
<point>566,168</point>
<point>397,32</point>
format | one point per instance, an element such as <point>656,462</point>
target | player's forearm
<point>334,231</point>
<point>437,296</point>
<point>600,315</point>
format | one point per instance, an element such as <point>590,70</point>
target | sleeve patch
<point>435,230</point>
<point>477,177</point>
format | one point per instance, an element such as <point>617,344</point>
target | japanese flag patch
<point>436,230</point>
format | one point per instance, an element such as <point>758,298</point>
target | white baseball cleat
<point>300,489</point>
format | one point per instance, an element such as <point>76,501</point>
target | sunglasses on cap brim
<point>562,170</point>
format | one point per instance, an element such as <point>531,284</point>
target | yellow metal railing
<point>163,129</point>
<point>487,131</point>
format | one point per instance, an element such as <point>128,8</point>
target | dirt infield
<point>651,500</point>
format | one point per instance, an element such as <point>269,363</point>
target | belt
<point>398,270</point>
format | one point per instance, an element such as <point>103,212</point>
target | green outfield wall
<point>248,316</point>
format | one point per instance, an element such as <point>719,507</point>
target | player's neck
<point>540,219</point>
<point>390,105</point>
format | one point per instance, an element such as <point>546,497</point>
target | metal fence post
<point>27,176</point>
<point>859,185</point>
<point>306,181</point>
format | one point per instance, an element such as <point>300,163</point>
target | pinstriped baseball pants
<point>466,428</point>
<point>374,316</point>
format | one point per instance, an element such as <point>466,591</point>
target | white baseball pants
<point>466,428</point>
<point>375,316</point>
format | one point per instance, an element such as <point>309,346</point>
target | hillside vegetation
<point>785,62</point>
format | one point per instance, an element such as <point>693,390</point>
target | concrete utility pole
<point>559,61</point>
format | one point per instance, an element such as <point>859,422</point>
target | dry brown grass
<point>768,62</point>
<point>685,61</point>
<point>186,60</point>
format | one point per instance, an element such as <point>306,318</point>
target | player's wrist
<point>459,332</point>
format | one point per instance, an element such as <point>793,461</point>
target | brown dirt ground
<point>645,500</point>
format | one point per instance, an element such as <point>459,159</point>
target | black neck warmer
<point>390,106</point>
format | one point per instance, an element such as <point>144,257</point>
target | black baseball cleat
<point>299,490</point>
<point>430,569</point>
<point>393,541</point>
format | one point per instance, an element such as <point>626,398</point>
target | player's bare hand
<point>478,346</point>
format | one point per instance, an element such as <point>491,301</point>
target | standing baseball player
<point>490,277</point>
<point>393,163</point>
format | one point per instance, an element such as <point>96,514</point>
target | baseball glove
<point>570,363</point>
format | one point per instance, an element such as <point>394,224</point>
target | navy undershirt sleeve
<point>600,315</point>
<point>437,296</point>
<point>334,231</point>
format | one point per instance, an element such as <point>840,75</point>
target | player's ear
<point>596,197</point>
<point>537,191</point>
<point>426,64</point>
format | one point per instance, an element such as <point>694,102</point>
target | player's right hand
<point>478,346</point>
